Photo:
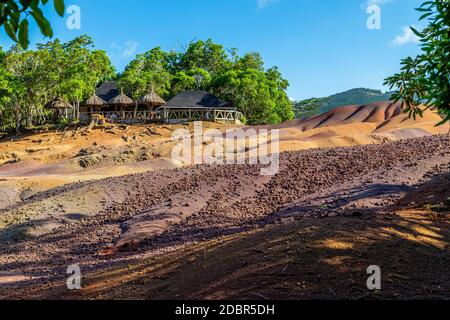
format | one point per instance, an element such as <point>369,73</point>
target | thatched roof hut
<point>198,106</point>
<point>107,90</point>
<point>152,99</point>
<point>196,100</point>
<point>94,101</point>
<point>122,100</point>
<point>58,104</point>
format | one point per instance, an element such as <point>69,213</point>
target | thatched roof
<point>196,100</point>
<point>107,90</point>
<point>58,103</point>
<point>121,99</point>
<point>94,101</point>
<point>152,99</point>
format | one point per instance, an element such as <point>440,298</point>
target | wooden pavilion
<point>198,106</point>
<point>151,100</point>
<point>61,108</point>
<point>121,107</point>
<point>115,105</point>
<point>93,104</point>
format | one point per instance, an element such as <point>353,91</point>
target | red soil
<point>196,232</point>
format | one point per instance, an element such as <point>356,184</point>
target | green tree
<point>194,79</point>
<point>70,70</point>
<point>255,95</point>
<point>5,90</point>
<point>425,79</point>
<point>25,72</point>
<point>152,68</point>
<point>307,108</point>
<point>251,60</point>
<point>14,18</point>
<point>84,68</point>
<point>181,82</point>
<point>258,93</point>
<point>283,106</point>
<point>206,55</point>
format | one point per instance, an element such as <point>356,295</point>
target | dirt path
<point>155,220</point>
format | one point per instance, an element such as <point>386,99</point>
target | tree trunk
<point>18,117</point>
<point>30,116</point>
<point>78,110</point>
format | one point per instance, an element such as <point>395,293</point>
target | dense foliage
<point>14,15</point>
<point>29,79</point>
<point>72,71</point>
<point>425,79</point>
<point>242,80</point>
<point>307,108</point>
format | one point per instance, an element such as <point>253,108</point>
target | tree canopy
<point>72,70</point>
<point>31,78</point>
<point>425,79</point>
<point>204,65</point>
<point>153,68</point>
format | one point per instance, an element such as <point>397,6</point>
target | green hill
<point>358,96</point>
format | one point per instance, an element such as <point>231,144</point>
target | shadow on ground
<point>305,259</point>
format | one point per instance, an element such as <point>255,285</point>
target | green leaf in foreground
<point>59,7</point>
<point>23,34</point>
<point>10,31</point>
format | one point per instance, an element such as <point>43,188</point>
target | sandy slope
<point>36,163</point>
<point>47,160</point>
<point>303,259</point>
<point>353,125</point>
<point>149,215</point>
<point>111,199</point>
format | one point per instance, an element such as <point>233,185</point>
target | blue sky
<point>321,46</point>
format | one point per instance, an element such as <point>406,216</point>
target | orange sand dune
<point>35,163</point>
<point>352,125</point>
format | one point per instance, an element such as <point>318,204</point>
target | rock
<point>90,160</point>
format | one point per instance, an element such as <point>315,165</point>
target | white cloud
<point>265,3</point>
<point>407,37</point>
<point>126,50</point>
<point>129,49</point>
<point>369,3</point>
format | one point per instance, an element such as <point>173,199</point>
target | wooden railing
<point>168,115</point>
<point>180,115</point>
<point>121,116</point>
